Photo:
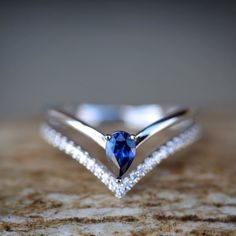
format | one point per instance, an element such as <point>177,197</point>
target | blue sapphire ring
<point>154,133</point>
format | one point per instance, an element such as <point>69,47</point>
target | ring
<point>155,132</point>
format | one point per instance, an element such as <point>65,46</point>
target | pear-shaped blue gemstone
<point>120,151</point>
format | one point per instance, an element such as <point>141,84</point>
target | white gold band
<point>188,132</point>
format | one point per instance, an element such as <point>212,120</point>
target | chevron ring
<point>154,133</point>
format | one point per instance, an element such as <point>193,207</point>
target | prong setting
<point>132,137</point>
<point>108,137</point>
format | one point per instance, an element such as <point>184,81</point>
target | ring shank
<point>151,118</point>
<point>135,116</point>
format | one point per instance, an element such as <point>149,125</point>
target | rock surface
<point>45,192</point>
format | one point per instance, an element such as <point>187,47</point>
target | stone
<point>120,151</point>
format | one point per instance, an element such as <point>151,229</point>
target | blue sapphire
<point>120,151</point>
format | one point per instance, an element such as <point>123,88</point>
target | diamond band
<point>119,144</point>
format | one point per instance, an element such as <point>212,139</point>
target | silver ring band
<point>120,147</point>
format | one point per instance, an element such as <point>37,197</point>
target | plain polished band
<point>161,122</point>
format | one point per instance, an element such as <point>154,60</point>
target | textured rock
<point>45,192</point>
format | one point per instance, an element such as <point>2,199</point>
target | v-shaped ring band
<point>120,146</point>
<point>174,117</point>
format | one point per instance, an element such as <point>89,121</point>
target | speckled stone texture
<point>45,192</point>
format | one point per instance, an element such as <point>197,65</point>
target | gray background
<point>116,52</point>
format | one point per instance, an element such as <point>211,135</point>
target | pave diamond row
<point>120,188</point>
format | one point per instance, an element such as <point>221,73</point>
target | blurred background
<point>54,52</point>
